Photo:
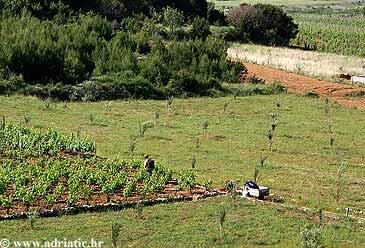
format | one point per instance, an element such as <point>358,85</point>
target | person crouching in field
<point>149,164</point>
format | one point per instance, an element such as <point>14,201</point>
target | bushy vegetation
<point>85,59</point>
<point>113,10</point>
<point>263,23</point>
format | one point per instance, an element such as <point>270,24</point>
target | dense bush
<point>112,9</point>
<point>215,16</point>
<point>44,52</point>
<point>86,58</point>
<point>200,28</point>
<point>263,23</point>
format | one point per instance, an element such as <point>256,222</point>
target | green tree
<point>263,23</point>
<point>173,19</point>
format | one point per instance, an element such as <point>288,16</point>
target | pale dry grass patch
<point>309,63</point>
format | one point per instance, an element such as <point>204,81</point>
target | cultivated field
<point>333,33</point>
<point>296,4</point>
<point>310,63</point>
<point>302,169</point>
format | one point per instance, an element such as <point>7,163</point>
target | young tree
<point>173,19</point>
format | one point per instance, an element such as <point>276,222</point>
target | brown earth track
<point>340,93</point>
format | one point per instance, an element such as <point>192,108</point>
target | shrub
<point>173,19</point>
<point>54,52</point>
<point>215,16</point>
<point>200,28</point>
<point>259,89</point>
<point>263,23</point>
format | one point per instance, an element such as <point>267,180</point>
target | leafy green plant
<point>312,237</point>
<point>187,180</point>
<point>207,184</point>
<point>173,19</point>
<point>130,189</point>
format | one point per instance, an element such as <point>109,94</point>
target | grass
<point>314,64</point>
<point>246,225</point>
<point>302,167</point>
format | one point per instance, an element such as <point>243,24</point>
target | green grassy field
<point>193,224</point>
<point>293,3</point>
<point>302,167</point>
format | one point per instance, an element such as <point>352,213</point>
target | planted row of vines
<point>340,34</point>
<point>46,169</point>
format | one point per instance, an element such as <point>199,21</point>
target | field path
<point>303,84</point>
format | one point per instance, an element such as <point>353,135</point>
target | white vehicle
<point>251,189</point>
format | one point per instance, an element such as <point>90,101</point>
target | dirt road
<point>340,93</point>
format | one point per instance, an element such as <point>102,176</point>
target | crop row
<point>60,180</point>
<point>21,141</point>
<point>34,173</point>
<point>340,34</point>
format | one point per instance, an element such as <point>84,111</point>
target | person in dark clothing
<point>149,164</point>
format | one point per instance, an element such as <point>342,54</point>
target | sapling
<point>327,111</point>
<point>197,144</point>
<point>32,217</point>
<point>205,126</point>
<point>222,219</point>
<point>225,106</point>
<point>3,123</point>
<point>340,180</point>
<point>132,145</point>
<point>320,216</point>
<point>170,101</point>
<point>78,134</point>
<point>331,135</point>
<point>263,160</point>
<point>139,210</point>
<point>92,119</point>
<point>145,126</point>
<point>270,136</point>
<point>115,234</point>
<point>108,107</point>
<point>193,162</point>
<point>157,118</point>
<point>48,105</point>
<point>274,123</point>
<point>27,119</point>
<point>256,174</point>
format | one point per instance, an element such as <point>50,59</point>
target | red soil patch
<point>340,93</point>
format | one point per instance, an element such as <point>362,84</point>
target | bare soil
<point>340,93</point>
